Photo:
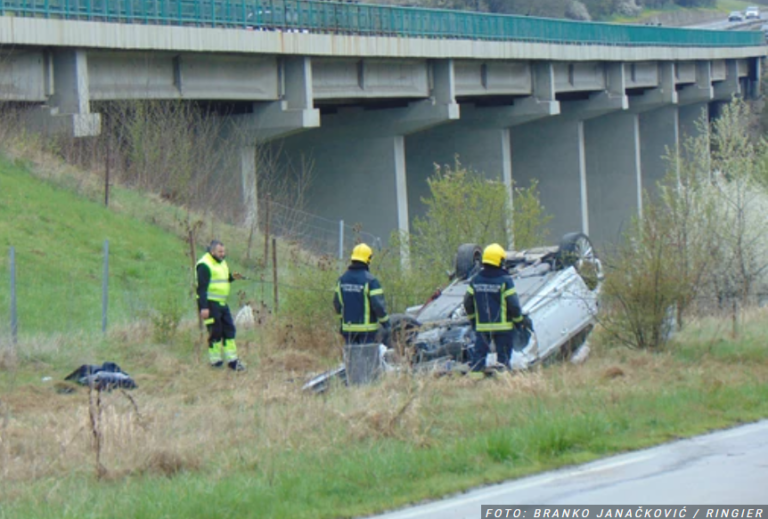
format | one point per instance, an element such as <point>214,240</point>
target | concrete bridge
<point>375,96</point>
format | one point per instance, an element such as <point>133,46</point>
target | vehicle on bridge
<point>558,287</point>
<point>736,16</point>
<point>752,13</point>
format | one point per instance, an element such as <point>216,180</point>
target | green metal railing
<point>366,19</point>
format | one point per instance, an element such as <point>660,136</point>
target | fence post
<point>266,231</point>
<point>274,270</point>
<point>105,289</point>
<point>341,239</point>
<point>14,317</point>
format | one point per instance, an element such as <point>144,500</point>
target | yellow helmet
<point>362,252</point>
<point>494,255</point>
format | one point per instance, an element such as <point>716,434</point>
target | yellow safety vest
<point>218,288</point>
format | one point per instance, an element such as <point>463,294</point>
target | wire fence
<point>34,306</point>
<point>313,233</point>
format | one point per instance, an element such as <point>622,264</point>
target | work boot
<point>217,364</point>
<point>236,365</point>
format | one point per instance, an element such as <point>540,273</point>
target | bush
<point>702,240</point>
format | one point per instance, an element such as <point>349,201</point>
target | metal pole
<point>14,316</point>
<point>105,289</point>
<point>341,239</point>
<point>274,271</point>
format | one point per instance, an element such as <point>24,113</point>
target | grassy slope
<point>58,238</point>
<point>203,443</point>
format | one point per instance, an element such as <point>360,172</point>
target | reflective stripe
<point>377,292</point>
<point>471,290</point>
<point>503,324</point>
<point>517,319</point>
<point>216,297</point>
<point>494,327</point>
<point>348,327</point>
<point>366,325</point>
<point>503,312</point>
<point>384,319</point>
<point>471,316</point>
<point>209,321</point>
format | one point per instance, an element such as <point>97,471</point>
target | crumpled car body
<point>558,289</point>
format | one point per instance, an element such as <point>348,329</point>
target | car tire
<point>576,250</point>
<point>469,257</point>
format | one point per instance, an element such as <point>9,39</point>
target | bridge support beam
<point>481,139</point>
<point>293,113</point>
<point>553,153</point>
<point>659,137</point>
<point>359,161</point>
<point>613,174</point>
<point>68,111</point>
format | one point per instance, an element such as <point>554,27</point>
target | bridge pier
<point>68,110</point>
<point>613,174</point>
<point>481,139</point>
<point>553,153</point>
<point>359,160</point>
<point>292,113</point>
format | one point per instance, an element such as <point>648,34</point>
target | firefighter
<point>492,304</point>
<point>359,300</point>
<point>213,285</point>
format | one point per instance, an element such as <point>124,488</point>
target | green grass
<point>58,239</point>
<point>202,443</point>
<point>290,455</point>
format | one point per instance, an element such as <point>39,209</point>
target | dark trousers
<point>360,338</point>
<point>223,326</point>
<point>503,342</point>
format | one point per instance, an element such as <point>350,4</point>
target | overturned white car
<point>558,288</point>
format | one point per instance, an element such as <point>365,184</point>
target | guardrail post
<point>341,239</point>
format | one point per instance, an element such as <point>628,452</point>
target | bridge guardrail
<point>370,20</point>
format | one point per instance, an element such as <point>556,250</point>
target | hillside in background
<point>58,238</point>
<point>576,9</point>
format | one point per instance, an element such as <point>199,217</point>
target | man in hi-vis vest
<point>213,284</point>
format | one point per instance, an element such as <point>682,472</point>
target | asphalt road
<point>725,468</point>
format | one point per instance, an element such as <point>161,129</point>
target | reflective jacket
<point>491,301</point>
<point>215,286</point>
<point>359,300</point>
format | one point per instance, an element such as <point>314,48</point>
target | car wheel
<point>576,251</point>
<point>468,258</point>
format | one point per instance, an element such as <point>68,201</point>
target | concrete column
<point>690,118</point>
<point>659,136</point>
<point>361,181</point>
<point>68,111</point>
<point>248,174</point>
<point>552,151</point>
<point>485,150</point>
<point>614,177</point>
<point>292,113</point>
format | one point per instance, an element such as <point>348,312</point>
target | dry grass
<point>186,417</point>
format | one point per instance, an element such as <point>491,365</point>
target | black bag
<point>106,377</point>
